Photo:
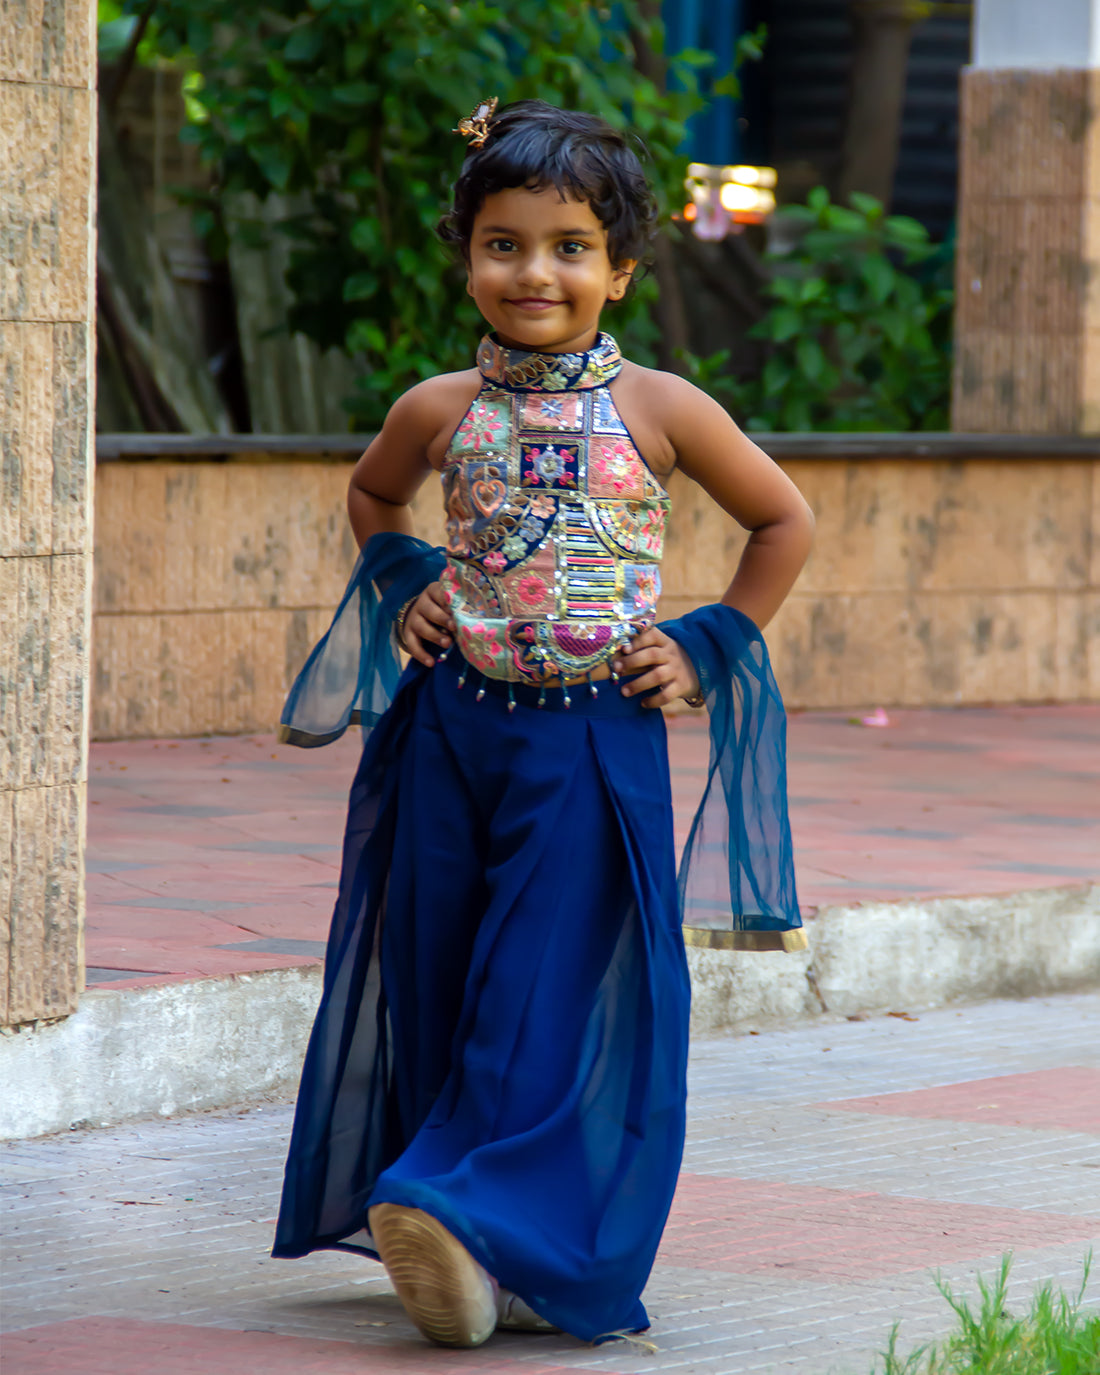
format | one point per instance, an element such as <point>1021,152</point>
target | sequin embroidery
<point>555,526</point>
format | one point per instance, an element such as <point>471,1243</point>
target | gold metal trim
<point>708,938</point>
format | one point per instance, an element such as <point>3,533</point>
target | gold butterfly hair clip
<point>475,128</point>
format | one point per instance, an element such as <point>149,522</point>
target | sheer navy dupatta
<point>351,675</point>
<point>736,877</point>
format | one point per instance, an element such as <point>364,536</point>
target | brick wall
<point>932,582</point>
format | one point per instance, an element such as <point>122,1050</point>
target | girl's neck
<point>588,342</point>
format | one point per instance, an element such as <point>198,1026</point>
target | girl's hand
<point>428,621</point>
<point>669,668</point>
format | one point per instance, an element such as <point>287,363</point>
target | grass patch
<point>1053,1338</point>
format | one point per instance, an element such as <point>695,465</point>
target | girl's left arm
<point>752,489</point>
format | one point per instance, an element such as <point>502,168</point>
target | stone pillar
<point>1027,336</point>
<point>47,355</point>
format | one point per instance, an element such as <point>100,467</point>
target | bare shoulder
<point>667,394</point>
<point>428,414</point>
<point>661,410</point>
<point>432,400</point>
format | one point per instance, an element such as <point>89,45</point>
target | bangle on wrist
<point>399,622</point>
<point>699,700</point>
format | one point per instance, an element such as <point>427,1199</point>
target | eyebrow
<point>561,233</point>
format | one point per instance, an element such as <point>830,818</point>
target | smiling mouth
<point>532,302</point>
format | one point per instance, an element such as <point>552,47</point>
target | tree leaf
<point>868,206</point>
<point>727,85</point>
<point>353,93</point>
<point>813,289</point>
<point>879,276</point>
<point>895,324</point>
<point>777,374</point>
<point>304,44</point>
<point>780,324</point>
<point>364,336</point>
<point>360,286</point>
<point>810,357</point>
<point>274,162</point>
<point>903,230</point>
<point>365,237</point>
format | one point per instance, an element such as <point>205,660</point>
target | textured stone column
<point>47,299</point>
<point>1027,354</point>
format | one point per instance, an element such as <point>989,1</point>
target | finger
<point>636,660</point>
<point>424,629</point>
<point>655,678</point>
<point>417,650</point>
<point>438,596</point>
<point>433,613</point>
<point>663,698</point>
<point>650,636</point>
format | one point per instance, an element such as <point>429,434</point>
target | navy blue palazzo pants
<point>502,1039</point>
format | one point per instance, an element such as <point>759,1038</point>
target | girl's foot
<point>450,1298</point>
<point>513,1315</point>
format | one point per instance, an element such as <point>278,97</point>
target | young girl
<point>493,1097</point>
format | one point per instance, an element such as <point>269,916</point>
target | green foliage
<point>859,332</point>
<point>353,104</point>
<point>113,29</point>
<point>711,374</point>
<point>1054,1338</point>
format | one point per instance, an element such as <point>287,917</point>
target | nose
<point>536,270</point>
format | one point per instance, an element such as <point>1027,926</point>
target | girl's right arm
<point>388,476</point>
<point>395,463</point>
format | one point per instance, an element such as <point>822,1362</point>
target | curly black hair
<point>534,144</point>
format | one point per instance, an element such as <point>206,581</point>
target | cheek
<point>486,277</point>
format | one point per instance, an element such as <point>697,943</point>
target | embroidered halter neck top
<point>555,525</point>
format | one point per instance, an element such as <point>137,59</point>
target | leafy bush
<point>353,105</point>
<point>859,334</point>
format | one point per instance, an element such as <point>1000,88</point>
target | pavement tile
<point>740,1226</point>
<point>1067,1098</point>
<point>116,1346</point>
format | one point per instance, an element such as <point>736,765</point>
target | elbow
<point>802,523</point>
<point>809,524</point>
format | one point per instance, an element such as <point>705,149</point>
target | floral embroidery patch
<point>614,468</point>
<point>480,644</point>
<point>549,465</point>
<point>487,424</point>
<point>562,412</point>
<point>530,588</point>
<point>641,588</point>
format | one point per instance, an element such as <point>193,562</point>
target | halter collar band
<point>518,370</point>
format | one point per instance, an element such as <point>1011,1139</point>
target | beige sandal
<point>448,1295</point>
<point>513,1315</point>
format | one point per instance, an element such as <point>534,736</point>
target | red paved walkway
<point>220,855</point>
<point>831,1171</point>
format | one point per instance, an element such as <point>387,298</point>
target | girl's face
<point>539,270</point>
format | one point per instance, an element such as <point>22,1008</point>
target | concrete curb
<point>159,1051</point>
<point>212,1043</point>
<point>887,956</point>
